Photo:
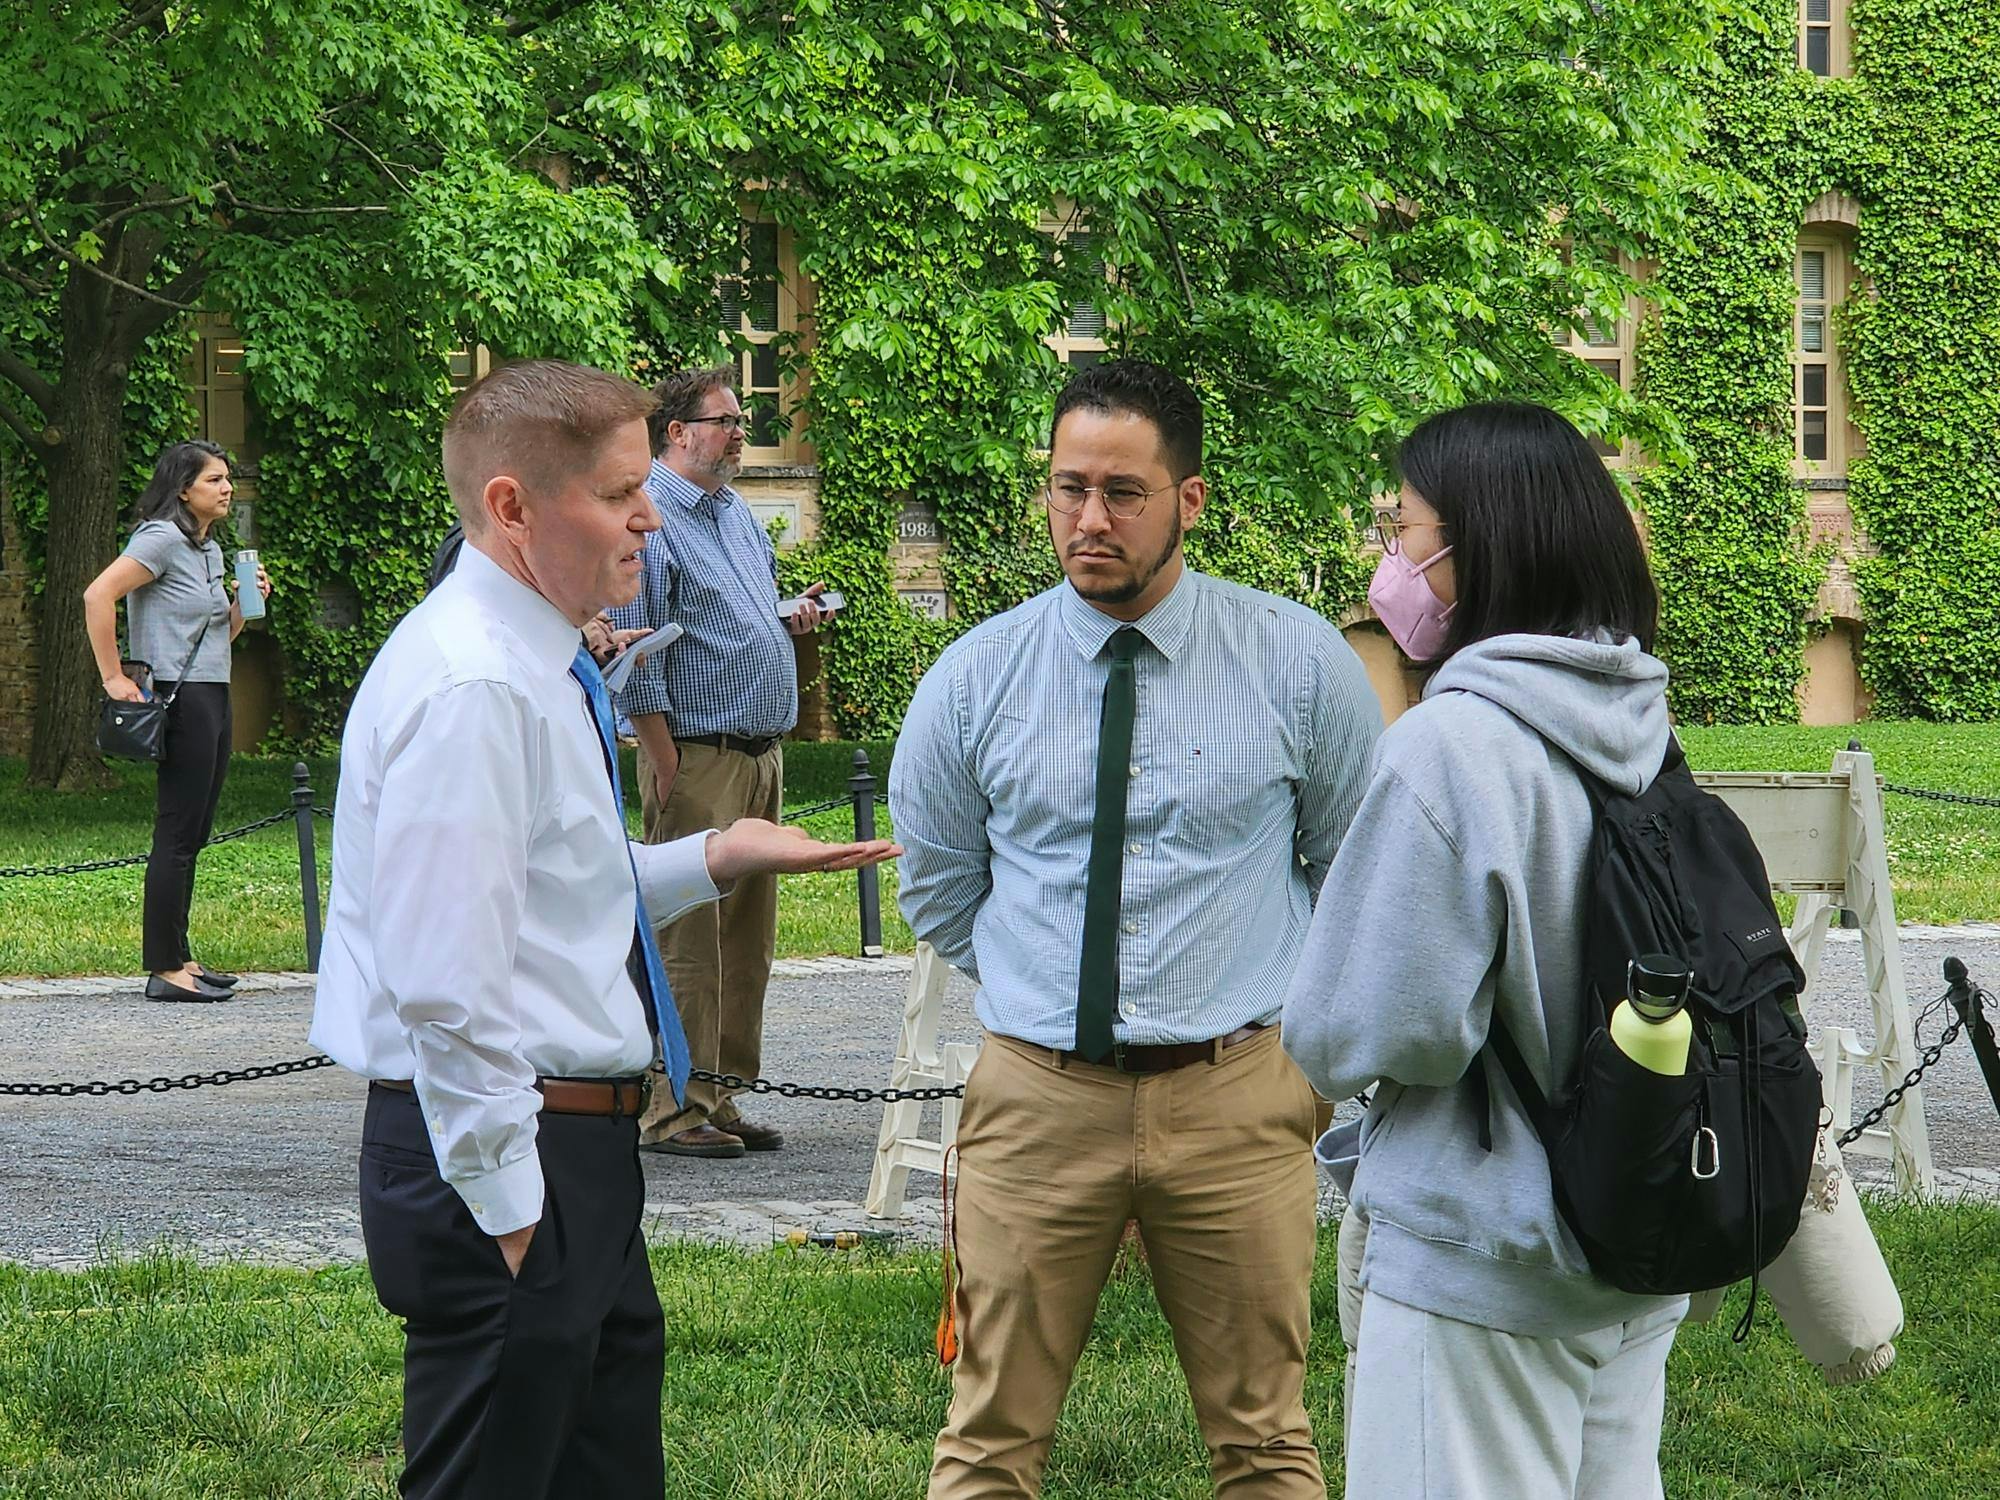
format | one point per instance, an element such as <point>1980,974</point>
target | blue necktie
<point>673,1041</point>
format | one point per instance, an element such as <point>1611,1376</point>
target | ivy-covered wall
<point>934,286</point>
<point>1909,139</point>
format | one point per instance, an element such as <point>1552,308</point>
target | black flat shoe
<point>217,978</point>
<point>202,994</point>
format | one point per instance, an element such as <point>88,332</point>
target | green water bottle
<point>1651,1025</point>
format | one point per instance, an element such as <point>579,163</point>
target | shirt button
<point>1133,848</point>
<point>1131,926</point>
<point>1132,770</point>
<point>479,1208</point>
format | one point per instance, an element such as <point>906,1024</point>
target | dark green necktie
<point>1097,977</point>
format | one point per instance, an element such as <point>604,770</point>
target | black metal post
<point>862,785</point>
<point>302,814</point>
<point>1968,1000</point>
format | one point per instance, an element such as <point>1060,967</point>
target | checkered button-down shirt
<point>1250,752</point>
<point>711,570</point>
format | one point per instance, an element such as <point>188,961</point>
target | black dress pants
<point>190,786</point>
<point>544,1386</point>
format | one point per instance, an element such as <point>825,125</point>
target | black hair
<point>178,466</point>
<point>1143,390</point>
<point>1542,542</point>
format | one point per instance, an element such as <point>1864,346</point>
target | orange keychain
<point>947,1329</point>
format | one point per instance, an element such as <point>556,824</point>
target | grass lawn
<point>794,1374</point>
<point>1946,859</point>
<point>247,914</point>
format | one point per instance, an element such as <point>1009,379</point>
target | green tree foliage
<point>1334,215</point>
<point>353,179</point>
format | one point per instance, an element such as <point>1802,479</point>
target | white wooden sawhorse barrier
<point>920,1063</point>
<point>1820,833</point>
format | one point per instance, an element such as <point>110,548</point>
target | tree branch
<point>35,442</point>
<point>79,263</point>
<point>33,384</point>
<point>139,20</point>
<point>329,208</point>
<point>145,205</point>
<point>366,150</point>
<point>518,26</point>
<point>24,281</point>
<point>1159,217</point>
<point>144,321</point>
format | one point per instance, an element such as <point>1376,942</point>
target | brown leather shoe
<point>699,1140</point>
<point>755,1137</point>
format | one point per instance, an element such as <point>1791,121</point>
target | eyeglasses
<point>729,421</point>
<point>1390,526</point>
<point>1124,500</point>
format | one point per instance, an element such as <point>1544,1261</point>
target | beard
<point>1135,583</point>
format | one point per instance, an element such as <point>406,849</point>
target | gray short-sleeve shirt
<point>165,614</point>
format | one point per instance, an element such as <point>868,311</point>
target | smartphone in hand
<point>828,603</point>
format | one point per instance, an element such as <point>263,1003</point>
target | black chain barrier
<point>164,1085</point>
<point>320,1060</point>
<point>1910,1080</point>
<point>822,1091</point>
<point>1963,799</point>
<point>84,867</point>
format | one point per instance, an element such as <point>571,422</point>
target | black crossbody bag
<point>138,731</point>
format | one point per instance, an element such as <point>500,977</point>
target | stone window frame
<point>1827,230</point>
<point>1825,36</point>
<point>760,375</point>
<point>1079,342</point>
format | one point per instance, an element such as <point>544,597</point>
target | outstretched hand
<point>754,846</point>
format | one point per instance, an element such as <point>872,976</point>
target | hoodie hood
<point>1602,702</point>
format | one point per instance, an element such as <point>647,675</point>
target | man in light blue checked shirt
<point>710,712</point>
<point>1117,803</point>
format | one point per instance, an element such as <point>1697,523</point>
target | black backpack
<point>1680,1184</point>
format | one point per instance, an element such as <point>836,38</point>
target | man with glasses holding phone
<point>1117,802</point>
<point>710,712</point>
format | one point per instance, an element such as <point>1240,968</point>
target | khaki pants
<point>1215,1162</point>
<point>718,956</point>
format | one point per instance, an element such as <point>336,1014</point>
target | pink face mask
<point>1407,606</point>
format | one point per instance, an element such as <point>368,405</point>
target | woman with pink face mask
<point>1490,1361</point>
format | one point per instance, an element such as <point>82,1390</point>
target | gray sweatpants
<point>1443,1410</point>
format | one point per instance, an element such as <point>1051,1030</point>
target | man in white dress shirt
<point>486,967</point>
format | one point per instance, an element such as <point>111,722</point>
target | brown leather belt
<point>736,742</point>
<point>615,1097</point>
<point>1166,1056</point>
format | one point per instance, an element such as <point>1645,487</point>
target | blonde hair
<point>536,420</point>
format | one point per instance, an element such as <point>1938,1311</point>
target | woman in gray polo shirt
<point>180,617</point>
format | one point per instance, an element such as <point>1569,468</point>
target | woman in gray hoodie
<point>1490,1363</point>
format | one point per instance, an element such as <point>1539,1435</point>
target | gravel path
<point>266,1169</point>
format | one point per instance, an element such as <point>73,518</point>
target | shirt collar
<point>1166,625</point>
<point>539,624</point>
<point>667,485</point>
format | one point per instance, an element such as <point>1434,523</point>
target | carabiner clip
<point>1714,1155</point>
